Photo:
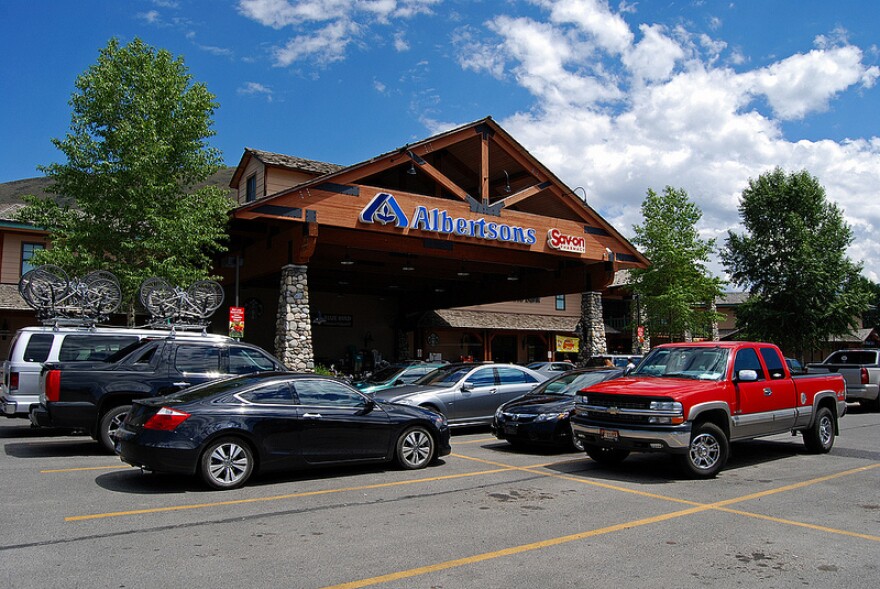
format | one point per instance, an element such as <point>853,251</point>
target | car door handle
<point>493,391</point>
<point>312,415</point>
<point>767,392</point>
<point>180,384</point>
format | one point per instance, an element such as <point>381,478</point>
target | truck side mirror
<point>747,376</point>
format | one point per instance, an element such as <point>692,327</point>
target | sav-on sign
<point>566,243</point>
<point>385,209</point>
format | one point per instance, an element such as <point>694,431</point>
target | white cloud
<point>150,17</point>
<point>326,28</point>
<point>805,83</point>
<point>255,88</point>
<point>665,110</point>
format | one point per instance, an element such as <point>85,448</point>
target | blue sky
<point>615,97</point>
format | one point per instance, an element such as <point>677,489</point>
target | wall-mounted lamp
<point>412,167</point>
<point>507,186</point>
<point>574,192</point>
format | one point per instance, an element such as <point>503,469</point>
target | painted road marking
<point>57,470</point>
<point>591,533</point>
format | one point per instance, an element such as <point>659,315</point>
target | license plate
<point>510,428</point>
<point>612,435</point>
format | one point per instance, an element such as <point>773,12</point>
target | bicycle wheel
<point>158,297</point>
<point>205,297</point>
<point>44,286</point>
<point>102,294</point>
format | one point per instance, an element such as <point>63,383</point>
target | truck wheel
<point>707,452</point>
<point>819,438</point>
<point>605,455</point>
<point>110,422</point>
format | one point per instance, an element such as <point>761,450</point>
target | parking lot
<point>486,516</point>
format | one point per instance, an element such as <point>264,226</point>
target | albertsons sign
<point>385,210</point>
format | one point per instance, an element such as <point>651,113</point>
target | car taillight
<point>13,381</point>
<point>167,419</point>
<point>864,375</point>
<point>53,385</point>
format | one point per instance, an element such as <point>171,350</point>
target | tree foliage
<point>136,153</point>
<point>676,289</point>
<point>792,259</point>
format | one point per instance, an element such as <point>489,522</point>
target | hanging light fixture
<point>412,167</point>
<point>347,261</point>
<point>507,186</point>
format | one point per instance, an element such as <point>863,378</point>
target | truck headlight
<point>666,406</point>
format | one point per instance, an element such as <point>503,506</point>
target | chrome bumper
<point>672,439</point>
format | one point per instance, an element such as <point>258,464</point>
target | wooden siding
<point>544,306</point>
<point>10,263</point>
<point>254,166</point>
<point>278,179</point>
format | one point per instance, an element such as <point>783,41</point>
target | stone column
<point>716,336</point>
<point>592,327</point>
<point>639,317</point>
<point>293,331</point>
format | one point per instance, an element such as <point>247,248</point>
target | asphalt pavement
<point>487,516</point>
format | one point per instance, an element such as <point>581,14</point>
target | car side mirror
<point>369,405</point>
<point>747,376</point>
<point>467,386</point>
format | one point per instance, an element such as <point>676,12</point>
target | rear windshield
<point>853,357</point>
<point>92,347</point>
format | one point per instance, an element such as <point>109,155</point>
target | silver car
<point>467,394</point>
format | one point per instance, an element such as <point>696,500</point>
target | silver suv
<point>467,394</point>
<point>32,346</point>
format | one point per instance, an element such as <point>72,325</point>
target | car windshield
<point>384,374</point>
<point>697,363</point>
<point>445,375</point>
<point>570,383</point>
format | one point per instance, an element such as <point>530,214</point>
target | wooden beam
<point>484,168</point>
<point>304,243</point>
<point>439,177</point>
<point>524,194</point>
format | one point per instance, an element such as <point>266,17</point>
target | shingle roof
<point>484,320</point>
<point>10,300</point>
<point>296,163</point>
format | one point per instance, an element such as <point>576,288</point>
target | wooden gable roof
<point>373,226</point>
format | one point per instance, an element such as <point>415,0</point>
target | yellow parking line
<point>77,518</point>
<point>591,533</point>
<point>483,441</point>
<point>54,470</point>
<point>449,564</point>
<point>789,522</point>
<point>592,483</point>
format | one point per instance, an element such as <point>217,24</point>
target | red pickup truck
<point>692,399</point>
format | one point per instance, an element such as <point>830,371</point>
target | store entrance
<point>504,348</point>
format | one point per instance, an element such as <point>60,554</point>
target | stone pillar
<point>293,330</point>
<point>714,310</point>
<point>639,317</point>
<point>592,327</point>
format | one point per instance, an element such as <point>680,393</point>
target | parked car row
<point>211,406</point>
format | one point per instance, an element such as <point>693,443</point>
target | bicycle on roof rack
<point>56,297</point>
<point>181,308</point>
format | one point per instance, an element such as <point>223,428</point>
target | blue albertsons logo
<point>385,209</point>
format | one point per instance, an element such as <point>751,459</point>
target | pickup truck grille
<point>615,409</point>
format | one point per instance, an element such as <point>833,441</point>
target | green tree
<point>792,259</point>
<point>136,153</point>
<point>676,290</point>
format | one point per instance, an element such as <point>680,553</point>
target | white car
<point>551,368</point>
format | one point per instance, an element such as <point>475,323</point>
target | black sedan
<point>542,416</point>
<point>226,430</point>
